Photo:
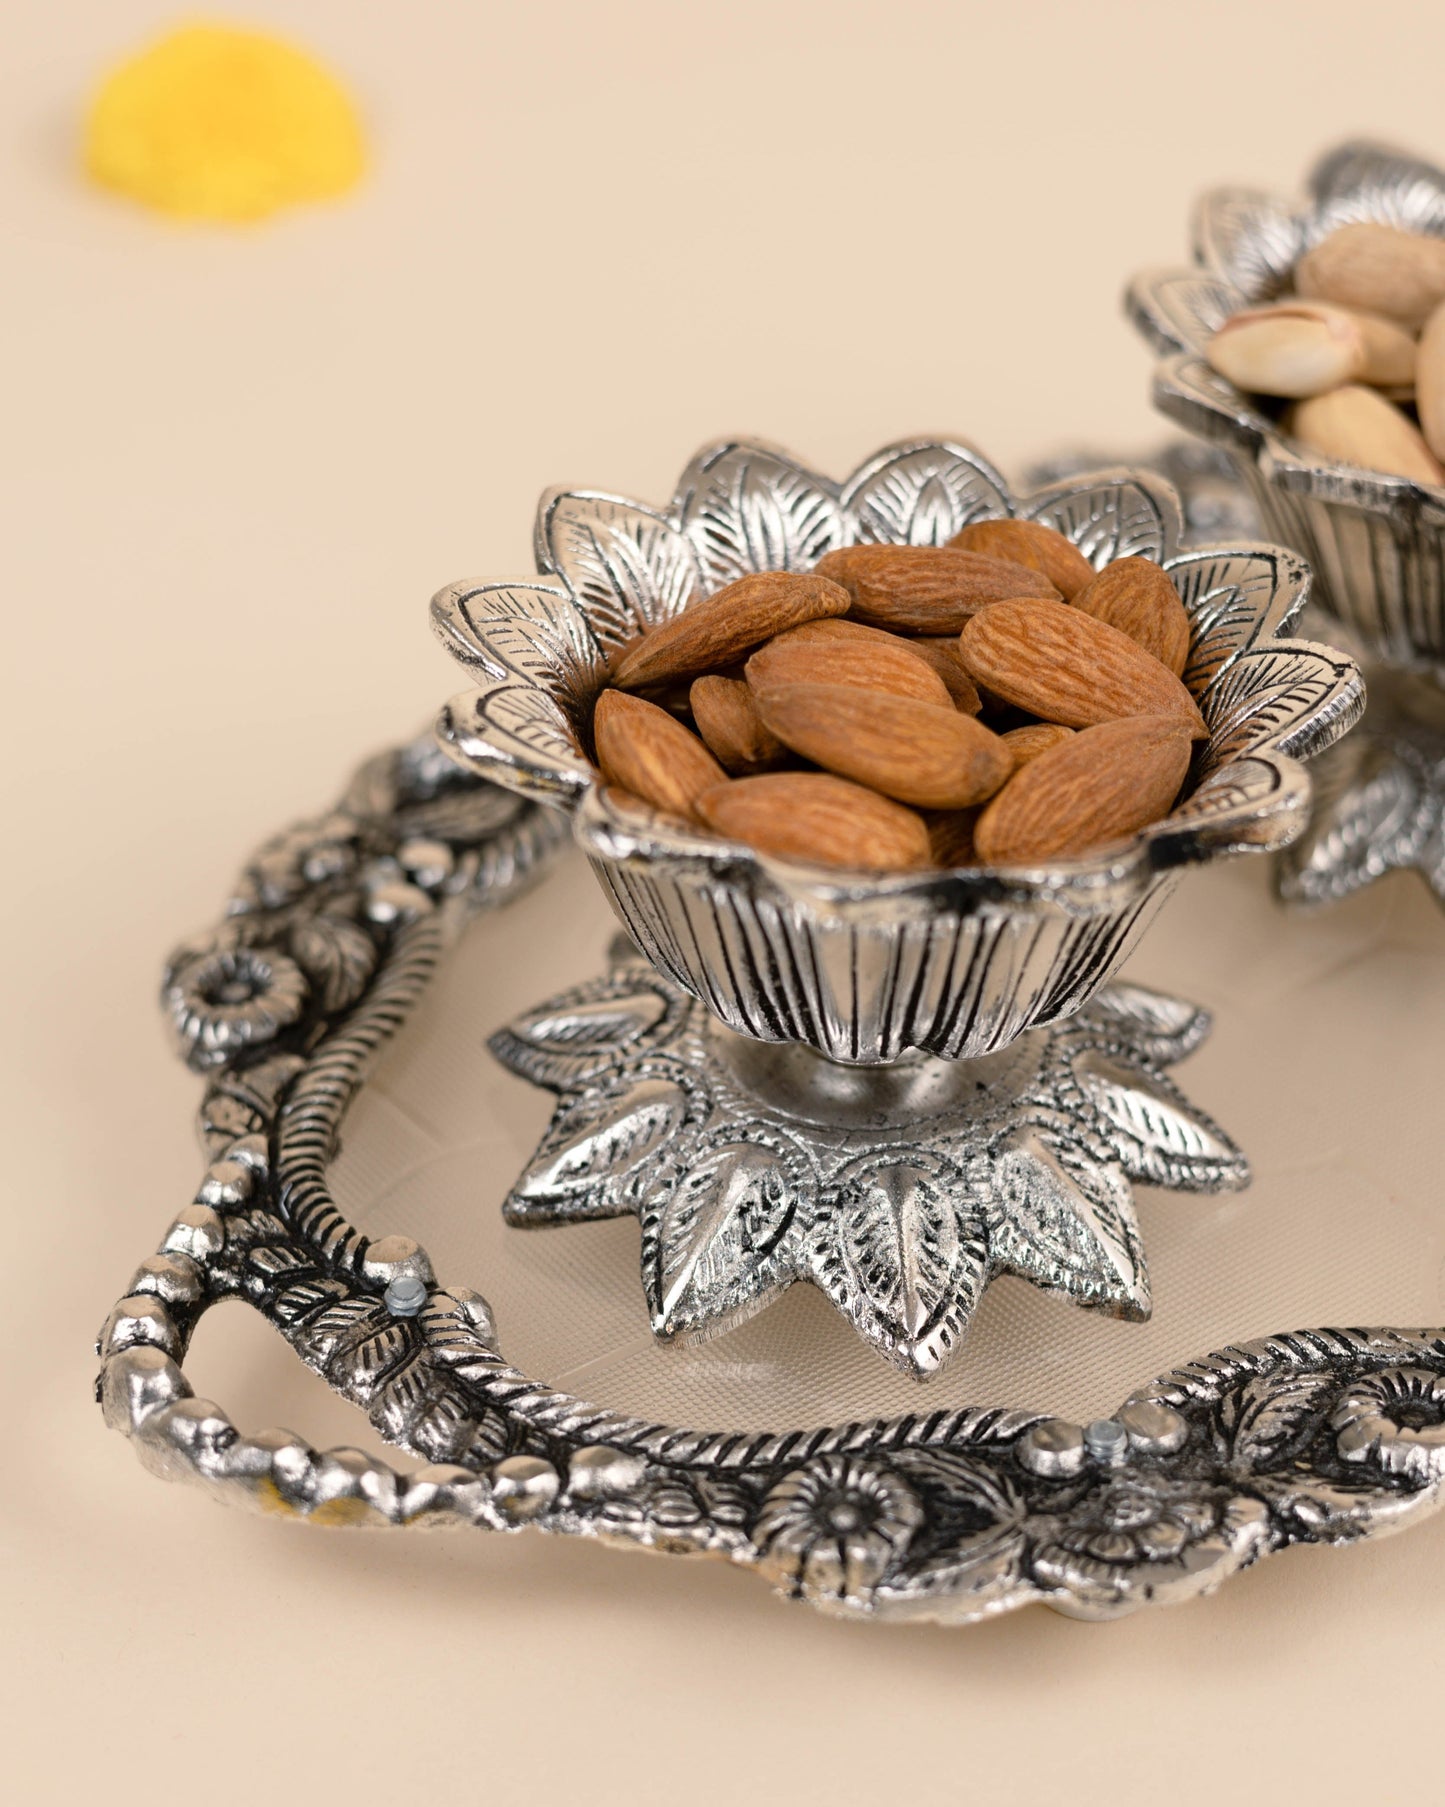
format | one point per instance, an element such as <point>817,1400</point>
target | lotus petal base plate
<point>899,1190</point>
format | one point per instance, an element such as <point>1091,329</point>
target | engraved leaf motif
<point>1250,238</point>
<point>338,956</point>
<point>518,735</point>
<point>1267,1414</point>
<point>1362,181</point>
<point>1235,600</point>
<point>1372,813</point>
<point>749,507</point>
<point>519,629</point>
<point>1296,699</point>
<point>706,1250</point>
<point>1180,310</point>
<point>921,494</point>
<point>1068,1229</point>
<point>899,1240</point>
<point>593,1143</point>
<point>1165,1141</point>
<point>1261,803</point>
<point>1118,515</point>
<point>628,568</point>
<point>1164,1029</point>
<point>570,1038</point>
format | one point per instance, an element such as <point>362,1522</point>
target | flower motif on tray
<point>1395,1421</point>
<point>1131,1541</point>
<point>830,1529</point>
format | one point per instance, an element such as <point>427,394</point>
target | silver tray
<point>950,1513</point>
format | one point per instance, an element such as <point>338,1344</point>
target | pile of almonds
<point>1359,349</point>
<point>994,701</point>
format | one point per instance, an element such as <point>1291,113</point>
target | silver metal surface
<point>900,1191</point>
<point>1376,543</point>
<point>1324,1436</point>
<point>868,967</point>
<point>1379,803</point>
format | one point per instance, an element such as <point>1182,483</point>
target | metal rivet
<point>428,862</point>
<point>597,1470</point>
<point>523,1486</point>
<point>1106,1440</point>
<point>391,904</point>
<point>227,1185</point>
<point>405,1296</point>
<point>1154,1429</point>
<point>1053,1449</point>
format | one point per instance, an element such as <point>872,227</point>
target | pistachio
<point>1288,349</point>
<point>1430,381</point>
<point>1358,426</point>
<point>1378,268</point>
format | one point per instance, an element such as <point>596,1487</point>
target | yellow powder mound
<point>212,123</point>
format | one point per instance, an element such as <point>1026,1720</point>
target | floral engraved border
<point>328,942</point>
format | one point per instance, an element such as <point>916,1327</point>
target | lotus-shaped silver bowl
<point>865,967</point>
<point>1376,542</point>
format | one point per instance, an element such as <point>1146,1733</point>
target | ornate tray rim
<point>1321,1436</point>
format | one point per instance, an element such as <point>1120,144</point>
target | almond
<point>923,753</point>
<point>727,718</point>
<point>926,589</point>
<point>942,654</point>
<point>728,625</point>
<point>1039,737</point>
<point>1378,268</point>
<point>1097,786</point>
<point>1030,543</point>
<point>1065,666</point>
<point>822,820</point>
<point>641,749</point>
<point>1136,596</point>
<point>842,652</point>
<point>950,837</point>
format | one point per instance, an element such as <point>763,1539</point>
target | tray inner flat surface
<point>1325,1064</point>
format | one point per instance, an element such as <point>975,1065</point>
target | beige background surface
<point>236,465</point>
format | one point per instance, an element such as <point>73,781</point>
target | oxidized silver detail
<point>1379,802</point>
<point>865,968</point>
<point>1376,543</point>
<point>899,1191</point>
<point>950,1516</point>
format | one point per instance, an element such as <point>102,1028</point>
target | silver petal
<point>1250,238</point>
<point>1372,814</point>
<point>1048,1228</point>
<point>1180,310</point>
<point>711,1254</point>
<point>922,492</point>
<point>1295,700</point>
<point>899,1249</point>
<point>1236,600</point>
<point>1112,514</point>
<point>1250,803</point>
<point>747,506</point>
<point>516,734</point>
<point>626,566</point>
<point>1163,1139</point>
<point>520,629</point>
<point>1162,1028</point>
<point>1364,181</point>
<point>585,1031</point>
<point>594,1143</point>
